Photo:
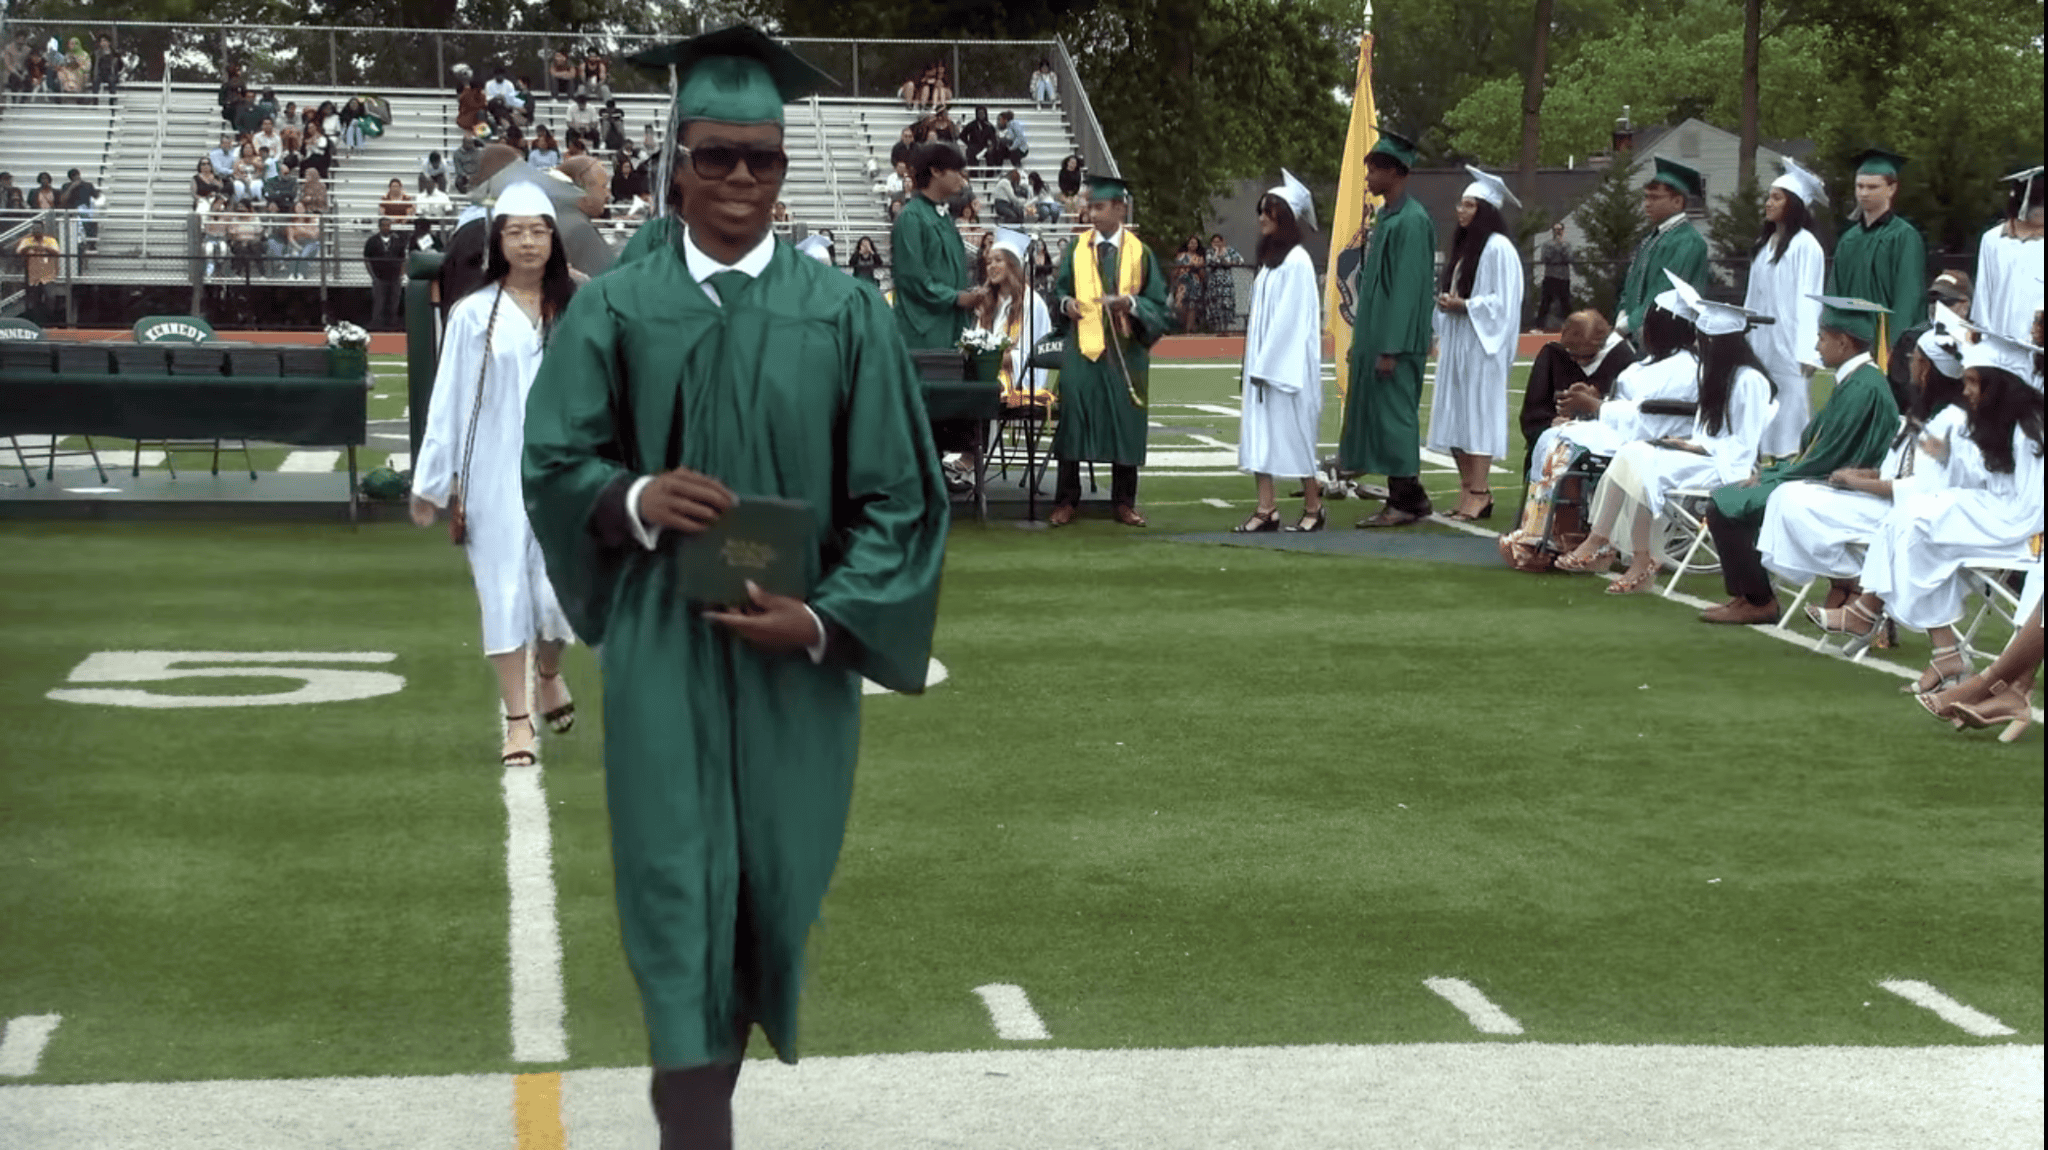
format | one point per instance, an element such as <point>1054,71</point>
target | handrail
<point>156,154</point>
<point>1088,137</point>
<point>831,167</point>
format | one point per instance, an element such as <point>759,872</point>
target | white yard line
<point>535,940</point>
<point>1485,1017</point>
<point>310,461</point>
<point>1948,1009</point>
<point>21,1045</point>
<point>1223,503</point>
<point>1010,1010</point>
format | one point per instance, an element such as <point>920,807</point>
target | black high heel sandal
<point>1260,521</point>
<point>1485,512</point>
<point>520,758</point>
<point>561,718</point>
<point>1312,523</point>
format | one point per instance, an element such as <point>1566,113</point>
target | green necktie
<point>731,286</point>
<point>1105,258</point>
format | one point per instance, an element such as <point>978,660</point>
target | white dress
<point>1812,530</point>
<point>1643,475</point>
<point>1984,516</point>
<point>1283,345</point>
<point>504,558</point>
<point>1676,377</point>
<point>1025,330</point>
<point>1784,290</point>
<point>1475,350</point>
<point>2008,286</point>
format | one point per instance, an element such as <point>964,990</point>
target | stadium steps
<point>42,135</point>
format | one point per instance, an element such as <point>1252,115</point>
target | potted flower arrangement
<point>350,346</point>
<point>984,350</point>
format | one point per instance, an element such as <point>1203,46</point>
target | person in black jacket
<point>978,137</point>
<point>384,255</point>
<point>1585,351</point>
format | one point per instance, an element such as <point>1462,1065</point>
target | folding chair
<point>1987,582</point>
<point>1685,545</point>
<point>49,453</point>
<point>189,356</point>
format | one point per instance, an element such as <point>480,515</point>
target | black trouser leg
<point>1405,493</point>
<point>1558,291</point>
<point>1742,566</point>
<point>1123,485</point>
<point>694,1106</point>
<point>1066,487</point>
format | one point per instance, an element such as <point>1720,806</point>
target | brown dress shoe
<point>1392,516</point>
<point>1128,515</point>
<point>1742,612</point>
<point>1062,515</point>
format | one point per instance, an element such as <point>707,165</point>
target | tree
<point>1612,222</point>
<point>1731,231</point>
<point>1532,98</point>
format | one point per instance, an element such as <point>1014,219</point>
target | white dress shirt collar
<point>1671,221</point>
<point>1846,370</point>
<point>1115,238</point>
<point>703,267</point>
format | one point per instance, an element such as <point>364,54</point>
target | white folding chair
<point>1684,544</point>
<point>1995,598</point>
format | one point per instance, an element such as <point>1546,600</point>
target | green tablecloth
<point>324,412</point>
<point>951,399</point>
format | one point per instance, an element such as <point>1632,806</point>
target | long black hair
<point>1722,357</point>
<point>2004,401</point>
<point>1467,245</point>
<point>1665,334</point>
<point>1286,235</point>
<point>1797,219</point>
<point>556,286</point>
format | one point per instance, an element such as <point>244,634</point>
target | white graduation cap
<point>1014,242</point>
<point>1711,317</point>
<point>817,246</point>
<point>1489,187</point>
<point>1802,183</point>
<point>1940,349</point>
<point>2025,179</point>
<point>524,198</point>
<point>1295,195</point>
<point>1675,303</point>
<point>1994,349</point>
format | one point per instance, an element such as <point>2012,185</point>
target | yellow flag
<point>1354,215</point>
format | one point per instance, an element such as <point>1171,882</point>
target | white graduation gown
<point>504,558</point>
<point>1033,325</point>
<point>2008,285</point>
<point>1813,530</point>
<point>1621,420</point>
<point>1644,474</point>
<point>1784,291</point>
<point>1283,345</point>
<point>1920,548</point>
<point>1475,350</point>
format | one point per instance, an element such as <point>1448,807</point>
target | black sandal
<point>1260,521</point>
<point>1314,522</point>
<point>1485,512</point>
<point>522,758</point>
<point>561,718</point>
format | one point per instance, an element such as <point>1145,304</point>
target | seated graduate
<point>1991,511</point>
<point>2002,692</point>
<point>1852,429</point>
<point>1587,351</point>
<point>1736,403</point>
<point>1666,379</point>
<point>1816,528</point>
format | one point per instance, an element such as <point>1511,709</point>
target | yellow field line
<point>537,1111</point>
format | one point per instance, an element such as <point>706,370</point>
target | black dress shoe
<point>1392,516</point>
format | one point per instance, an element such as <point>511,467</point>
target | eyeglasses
<point>716,161</point>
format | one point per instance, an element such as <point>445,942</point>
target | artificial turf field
<point>1183,796</point>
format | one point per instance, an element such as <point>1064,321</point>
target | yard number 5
<point>317,684</point>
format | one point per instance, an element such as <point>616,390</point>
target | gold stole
<point>1130,271</point>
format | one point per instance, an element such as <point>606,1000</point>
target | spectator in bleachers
<point>222,158</point>
<point>44,197</point>
<point>11,201</point>
<point>434,170</point>
<point>293,147</point>
<point>15,57</point>
<point>79,197</point>
<point>469,106</point>
<point>977,268</point>
<point>612,126</point>
<point>1008,198</point>
<point>939,91</point>
<point>39,78</point>
<point>515,139</point>
<point>318,153</point>
<point>597,77</point>
<point>978,137</point>
<point>866,261</point>
<point>1045,206</point>
<point>247,244</point>
<point>1044,87</point>
<point>433,203</point>
<point>941,127</point>
<point>312,190</point>
<point>905,142</point>
<point>351,117</point>
<point>562,76</point>
<point>40,253</point>
<point>629,183</point>
<point>426,236</point>
<point>266,137</point>
<point>290,117</point>
<point>581,118</point>
<point>395,203</point>
<point>301,245</point>
<point>213,232</point>
<point>266,104</point>
<point>545,152</point>
<point>1070,183</point>
<point>245,186</point>
<point>462,165</point>
<point>780,213</point>
<point>106,66</point>
<point>266,163</point>
<point>384,256</point>
<point>206,184</point>
<point>243,115</point>
<point>897,186</point>
<point>499,92</point>
<point>281,191</point>
<point>911,92</point>
<point>1012,145</point>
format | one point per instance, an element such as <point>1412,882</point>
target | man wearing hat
<point>934,293</point>
<point>1951,290</point>
<point>2009,259</point>
<point>1673,244</point>
<point>1880,257</point>
<point>722,368</point>
<point>1390,336</point>
<point>1853,430</point>
<point>1114,300</point>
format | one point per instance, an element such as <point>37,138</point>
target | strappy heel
<point>1600,560</point>
<point>522,756</point>
<point>1314,522</point>
<point>563,717</point>
<point>1260,521</point>
<point>2004,705</point>
<point>1485,512</point>
<point>1836,622</point>
<point>1943,680</point>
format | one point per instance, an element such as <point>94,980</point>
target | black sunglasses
<point>716,161</point>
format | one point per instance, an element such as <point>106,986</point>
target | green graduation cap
<point>736,75</point>
<point>1672,174</point>
<point>1107,188</point>
<point>1395,146</point>
<point>1857,317</point>
<point>1878,162</point>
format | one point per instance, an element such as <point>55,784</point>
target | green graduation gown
<point>728,771</point>
<point>1854,429</point>
<point>1885,264</point>
<point>1099,422</point>
<point>1395,296</point>
<point>1679,249</point>
<point>652,235</point>
<point>929,268</point>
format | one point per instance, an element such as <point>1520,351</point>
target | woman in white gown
<point>1787,273</point>
<point>1479,314</point>
<point>1667,378</point>
<point>1013,309</point>
<point>1816,529</point>
<point>1990,512</point>
<point>472,447</point>
<point>1283,362</point>
<point>2009,257</point>
<point>1735,405</point>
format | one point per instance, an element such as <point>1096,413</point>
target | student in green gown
<point>1390,337</point>
<point>928,263</point>
<point>721,367</point>
<point>1880,257</point>
<point>1114,300</point>
<point>1673,244</point>
<point>1854,429</point>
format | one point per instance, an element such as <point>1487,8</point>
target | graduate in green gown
<point>1853,429</point>
<point>1673,245</point>
<point>1114,300</point>
<point>1880,257</point>
<point>928,262</point>
<point>722,367</point>
<point>1390,337</point>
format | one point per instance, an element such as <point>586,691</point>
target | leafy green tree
<point>1612,223</point>
<point>1732,227</point>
